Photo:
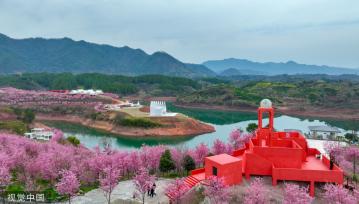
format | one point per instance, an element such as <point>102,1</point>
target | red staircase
<point>190,182</point>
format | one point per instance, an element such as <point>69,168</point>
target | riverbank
<point>171,126</point>
<point>305,111</point>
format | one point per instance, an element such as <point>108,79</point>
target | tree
<point>219,147</point>
<point>177,189</point>
<point>294,194</point>
<point>256,193</point>
<point>335,194</point>
<point>200,152</point>
<point>73,140</point>
<point>4,179</point>
<point>29,116</point>
<point>238,139</point>
<point>68,185</point>
<point>108,180</point>
<point>216,190</point>
<point>352,154</point>
<point>58,136</point>
<point>188,163</point>
<point>251,127</point>
<point>351,137</point>
<point>166,162</point>
<point>143,181</point>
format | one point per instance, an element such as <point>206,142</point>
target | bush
<point>139,122</point>
<point>14,126</point>
<point>251,127</point>
<point>73,140</point>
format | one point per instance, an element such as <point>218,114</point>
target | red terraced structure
<point>285,156</point>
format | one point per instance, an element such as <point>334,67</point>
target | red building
<point>285,156</point>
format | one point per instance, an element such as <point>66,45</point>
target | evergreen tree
<point>188,163</point>
<point>166,162</point>
<point>251,127</point>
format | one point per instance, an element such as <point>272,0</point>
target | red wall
<point>281,156</point>
<point>231,172</point>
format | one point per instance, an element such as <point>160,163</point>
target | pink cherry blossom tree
<point>294,194</point>
<point>216,190</point>
<point>335,194</point>
<point>218,147</point>
<point>256,193</point>
<point>238,139</point>
<point>4,179</point>
<point>352,155</point>
<point>177,156</point>
<point>177,189</point>
<point>143,181</point>
<point>200,152</point>
<point>109,178</point>
<point>68,184</point>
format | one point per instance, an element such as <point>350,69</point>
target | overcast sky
<point>306,31</point>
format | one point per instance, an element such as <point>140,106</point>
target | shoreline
<point>184,127</point>
<point>311,112</point>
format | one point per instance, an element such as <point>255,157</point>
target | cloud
<point>315,32</point>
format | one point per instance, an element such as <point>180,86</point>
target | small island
<point>103,111</point>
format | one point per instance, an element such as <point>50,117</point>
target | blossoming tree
<point>68,185</point>
<point>216,190</point>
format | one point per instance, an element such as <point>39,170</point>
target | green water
<point>223,121</point>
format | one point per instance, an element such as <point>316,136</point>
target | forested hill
<point>149,85</point>
<point>67,55</point>
<point>232,66</point>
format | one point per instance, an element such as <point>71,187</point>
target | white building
<point>39,134</point>
<point>119,106</point>
<point>158,108</point>
<point>323,132</point>
<point>86,92</point>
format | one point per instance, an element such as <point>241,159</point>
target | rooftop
<point>324,129</point>
<point>223,159</point>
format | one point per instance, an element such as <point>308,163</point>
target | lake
<point>223,121</point>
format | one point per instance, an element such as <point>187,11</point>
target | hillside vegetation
<point>124,85</point>
<point>318,90</point>
<point>339,94</point>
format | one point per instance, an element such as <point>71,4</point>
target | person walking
<point>153,189</point>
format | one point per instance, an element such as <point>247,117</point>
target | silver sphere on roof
<point>266,103</point>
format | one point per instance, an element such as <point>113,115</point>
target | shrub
<point>251,127</point>
<point>73,140</point>
<point>14,126</point>
<point>139,122</point>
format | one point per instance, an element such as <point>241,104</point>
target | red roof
<point>223,159</point>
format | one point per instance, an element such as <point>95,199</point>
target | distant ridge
<point>246,67</point>
<point>67,55</point>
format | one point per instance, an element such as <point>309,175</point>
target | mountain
<point>236,72</point>
<point>67,55</point>
<point>246,67</point>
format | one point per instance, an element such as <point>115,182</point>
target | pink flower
<point>294,194</point>
<point>216,190</point>
<point>68,185</point>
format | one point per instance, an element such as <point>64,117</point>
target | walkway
<point>123,192</point>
